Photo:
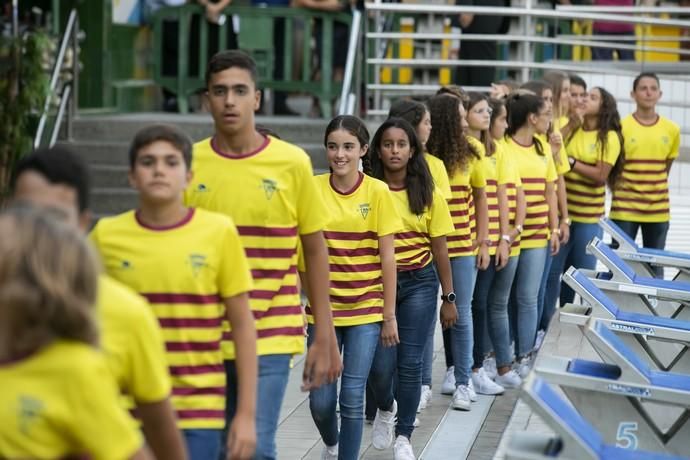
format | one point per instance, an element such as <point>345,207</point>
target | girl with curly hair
<point>468,245</point>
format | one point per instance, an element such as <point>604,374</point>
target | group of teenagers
<point>169,332</point>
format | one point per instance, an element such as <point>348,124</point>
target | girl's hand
<point>389,333</point>
<point>556,142</point>
<point>502,254</point>
<point>555,244</point>
<point>448,314</point>
<point>565,233</point>
<point>483,257</point>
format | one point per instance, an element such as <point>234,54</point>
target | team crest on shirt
<point>270,186</point>
<point>197,262</point>
<point>592,147</point>
<point>30,410</point>
<point>664,139</point>
<point>364,210</point>
<point>202,188</point>
<point>126,264</point>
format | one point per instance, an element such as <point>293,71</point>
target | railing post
<point>526,51</point>
<point>352,50</point>
<point>74,101</point>
<point>15,18</point>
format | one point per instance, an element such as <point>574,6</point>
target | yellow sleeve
<point>234,276</point>
<point>150,381</point>
<point>613,148</point>
<point>477,173</point>
<point>551,173</point>
<point>388,221</point>
<point>675,143</point>
<point>311,211</point>
<point>504,174</point>
<point>439,174</point>
<point>441,223</point>
<point>101,426</point>
<point>563,166</point>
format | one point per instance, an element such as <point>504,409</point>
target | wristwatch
<point>507,239</point>
<point>518,228</point>
<point>572,162</point>
<point>556,231</point>
<point>450,297</point>
<point>567,221</point>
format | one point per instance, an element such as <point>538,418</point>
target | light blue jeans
<point>358,345</point>
<point>274,371</point>
<point>203,444</point>
<point>490,311</point>
<point>464,275</point>
<point>573,253</point>
<point>525,297</point>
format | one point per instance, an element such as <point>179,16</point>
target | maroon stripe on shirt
<point>273,274</point>
<point>266,253</point>
<point>630,180</point>
<point>245,230</point>
<point>536,215</point>
<point>627,161</point>
<point>426,257</point>
<point>584,183</point>
<point>355,284</point>
<point>639,211</point>
<point>354,268</point>
<point>459,213</point>
<point>534,226</point>
<point>641,192</point>
<point>410,247</point>
<point>410,235</point>
<point>271,332</point>
<point>265,294</point>
<point>350,236</point>
<point>575,213</point>
<point>534,236</point>
<point>534,192</point>
<point>642,200</point>
<point>591,204</point>
<point>461,225</point>
<point>353,299</point>
<point>179,323</point>
<point>196,370</point>
<point>533,180</point>
<point>579,193</point>
<point>191,391</point>
<point>184,414</point>
<point>165,297</point>
<point>453,238</point>
<point>352,312</point>
<point>278,311</point>
<point>192,346</point>
<point>645,171</point>
<point>343,252</point>
<point>459,188</point>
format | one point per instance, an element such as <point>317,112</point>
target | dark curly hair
<point>354,126</point>
<point>520,105</point>
<point>418,180</point>
<point>447,141</point>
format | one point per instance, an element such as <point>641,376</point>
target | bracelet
<point>388,320</point>
<point>556,231</point>
<point>506,238</point>
<point>486,242</point>
<point>567,222</point>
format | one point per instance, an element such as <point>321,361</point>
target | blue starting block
<point>661,342</point>
<point>575,438</point>
<point>636,293</point>
<point>641,259</point>
<point>624,394</point>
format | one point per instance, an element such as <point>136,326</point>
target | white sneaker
<point>489,366</point>
<point>539,340</point>
<point>329,453</point>
<point>461,398</point>
<point>484,385</point>
<point>470,389</point>
<point>402,450</point>
<point>416,422</point>
<point>448,385</point>
<point>510,379</point>
<point>524,366</point>
<point>384,424</point>
<point>424,398</point>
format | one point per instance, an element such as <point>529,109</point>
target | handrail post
<point>15,18</point>
<point>74,98</point>
<point>526,51</point>
<point>352,50</point>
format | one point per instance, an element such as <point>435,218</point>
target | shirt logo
<point>30,410</point>
<point>202,188</point>
<point>270,186</point>
<point>126,265</point>
<point>664,139</point>
<point>364,210</point>
<point>197,262</point>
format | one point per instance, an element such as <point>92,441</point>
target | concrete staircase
<point>103,141</point>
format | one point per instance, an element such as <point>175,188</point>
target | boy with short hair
<point>640,187</point>
<point>191,267</point>
<point>57,179</point>
<point>266,185</point>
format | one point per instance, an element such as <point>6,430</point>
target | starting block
<point>576,438</point>
<point>623,398</point>
<point>638,293</point>
<point>642,260</point>
<point>661,342</point>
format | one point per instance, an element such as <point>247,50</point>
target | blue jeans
<point>573,253</point>
<point>358,345</point>
<point>464,275</point>
<point>548,263</point>
<point>524,298</point>
<point>490,311</point>
<point>274,371</point>
<point>203,444</point>
<point>428,356</point>
<point>415,310</point>
<point>653,236</point>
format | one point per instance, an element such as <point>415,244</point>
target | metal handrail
<point>70,35</point>
<point>625,9</point>
<point>352,50</point>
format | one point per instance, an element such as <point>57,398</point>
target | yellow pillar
<point>444,72</point>
<point>406,50</point>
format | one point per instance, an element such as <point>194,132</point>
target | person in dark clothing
<point>484,50</point>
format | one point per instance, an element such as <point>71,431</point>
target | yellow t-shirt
<point>586,200</point>
<point>413,243</point>
<point>462,204</point>
<point>507,175</point>
<point>641,192</point>
<point>535,171</point>
<point>357,220</point>
<point>271,197</point>
<point>184,271</point>
<point>60,402</point>
<point>133,344</point>
<point>439,174</point>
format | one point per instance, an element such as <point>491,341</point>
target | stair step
<point>113,200</point>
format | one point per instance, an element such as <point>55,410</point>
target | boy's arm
<point>323,364</point>
<point>241,440</point>
<point>160,430</point>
